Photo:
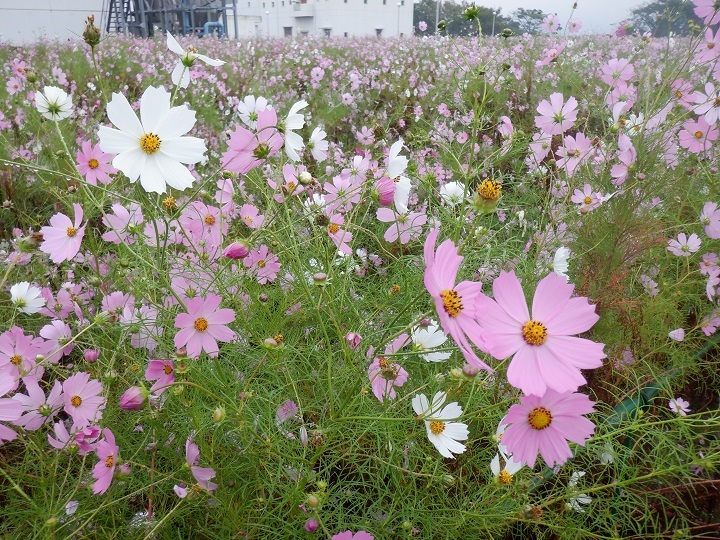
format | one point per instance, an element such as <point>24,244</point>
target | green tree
<point>660,17</point>
<point>528,21</point>
<point>457,25</point>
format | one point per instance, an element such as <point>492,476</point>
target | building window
<point>378,32</point>
<point>287,30</point>
<point>304,33</point>
<point>327,32</point>
<point>345,34</point>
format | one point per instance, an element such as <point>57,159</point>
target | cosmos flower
<point>62,239</point>
<point>504,475</point>
<point>543,425</point>
<point>556,115</point>
<point>384,373</point>
<point>153,148</point>
<point>27,298</point>
<point>455,304</point>
<point>679,406</point>
<point>53,103</point>
<point>203,326</point>
<point>94,164</point>
<point>683,245</point>
<point>181,73</point>
<point>545,355</point>
<point>107,452</point>
<point>83,399</point>
<point>202,475</point>
<point>441,430</point>
<point>428,338</point>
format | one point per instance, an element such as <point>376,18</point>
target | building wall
<point>23,21</point>
<point>336,17</point>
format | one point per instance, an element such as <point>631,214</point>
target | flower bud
<point>218,414</point>
<point>385,191</point>
<point>31,76</point>
<point>456,373</point>
<point>311,525</point>
<point>236,250</point>
<point>134,398</point>
<point>305,178</point>
<point>312,501</point>
<point>353,340</point>
<point>28,244</point>
<point>470,371</point>
<point>91,35</point>
<point>122,471</point>
<point>91,355</point>
<point>320,277</point>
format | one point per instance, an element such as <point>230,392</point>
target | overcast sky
<point>597,16</point>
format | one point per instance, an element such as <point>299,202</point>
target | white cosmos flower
<point>678,334</point>
<point>575,502</point>
<point>249,108</point>
<point>26,297</point>
<point>153,149</point>
<point>443,433</point>
<point>505,474</point>
<point>395,167</point>
<point>53,103</point>
<point>560,261</point>
<point>318,145</point>
<point>429,338</point>
<point>452,193</point>
<point>181,73</point>
<point>294,120</point>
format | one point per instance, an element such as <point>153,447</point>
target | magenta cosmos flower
<point>247,150</point>
<point>348,535</point>
<point>203,326</point>
<point>455,304</point>
<point>61,240</point>
<point>557,116</point>
<point>83,400</point>
<point>545,354</point>
<point>94,164</point>
<point>202,475</point>
<point>107,452</point>
<point>544,425</point>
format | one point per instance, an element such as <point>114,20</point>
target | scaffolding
<point>187,17</point>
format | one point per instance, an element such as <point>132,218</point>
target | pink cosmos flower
<point>18,353</point>
<point>708,10</point>
<point>550,23</point>
<point>587,199</point>
<point>617,70</point>
<point>710,323</point>
<point>107,452</point>
<point>291,186</point>
<point>684,246</point>
<point>455,304</point>
<point>709,103</point>
<point>404,226</point>
<point>262,264</point>
<point>247,150</point>
<point>83,400</point>
<point>10,409</point>
<point>557,116</point>
<point>710,50</point>
<point>76,440</point>
<point>37,410</point>
<point>627,155</point>
<point>203,326</point>
<point>544,425</point>
<point>546,357</point>
<point>682,92</point>
<point>679,406</point>
<point>161,371</point>
<point>710,218</point>
<point>94,164</point>
<point>124,225</point>
<point>202,475</point>
<point>57,334</point>
<point>251,216</point>
<point>697,135</point>
<point>61,240</point>
<point>574,26</point>
<point>339,236</point>
<point>384,373</point>
<point>575,151</point>
<point>360,535</point>
<point>204,222</point>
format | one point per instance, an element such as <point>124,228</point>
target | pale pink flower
<point>679,406</point>
<point>202,475</point>
<point>697,135</point>
<point>162,372</point>
<point>677,335</point>
<point>38,410</point>
<point>251,216</point>
<point>617,70</point>
<point>587,199</point>
<point>708,103</point>
<point>83,400</point>
<point>57,334</point>
<point>543,425</point>
<point>203,326</point>
<point>107,452</point>
<point>124,225</point>
<point>247,150</point>
<point>708,10</point>
<point>94,164</point>
<point>61,240</point>
<point>557,116</point>
<point>262,264</point>
<point>338,235</point>
<point>455,304</point>
<point>551,23</point>
<point>384,373</point>
<point>546,356</point>
<point>404,226</point>
<point>710,218</point>
<point>710,49</point>
<point>18,353</point>
<point>684,246</point>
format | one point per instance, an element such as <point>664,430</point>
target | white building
<point>23,21</point>
<point>295,18</point>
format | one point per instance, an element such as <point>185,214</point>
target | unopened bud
<point>218,414</point>
<point>91,35</point>
<point>91,355</point>
<point>305,178</point>
<point>312,501</point>
<point>470,371</point>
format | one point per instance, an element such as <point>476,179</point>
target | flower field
<point>361,288</point>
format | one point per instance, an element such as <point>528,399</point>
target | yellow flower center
<point>678,94</point>
<point>261,263</point>
<point>505,477</point>
<point>109,461</point>
<point>587,200</point>
<point>490,190</point>
<point>333,228</point>
<point>201,324</point>
<point>93,163</point>
<point>167,370</point>
<point>210,220</point>
<point>539,418</point>
<point>437,427</point>
<point>16,359</point>
<point>76,401</point>
<point>698,134</point>
<point>451,302</point>
<point>71,231</point>
<point>169,202</point>
<point>150,143</point>
<point>534,333</point>
<point>710,45</point>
